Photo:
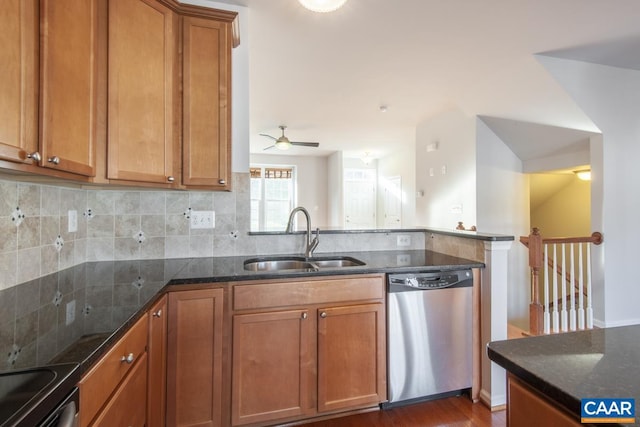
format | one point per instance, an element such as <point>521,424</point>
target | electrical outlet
<point>203,219</point>
<point>73,221</point>
<point>403,260</point>
<point>71,312</point>
<point>403,240</point>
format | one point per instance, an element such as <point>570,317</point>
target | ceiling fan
<point>283,143</point>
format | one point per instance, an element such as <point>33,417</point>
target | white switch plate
<point>403,240</point>
<point>71,312</point>
<point>443,169</point>
<point>203,219</point>
<point>73,221</point>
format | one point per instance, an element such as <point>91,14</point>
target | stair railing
<point>562,302</point>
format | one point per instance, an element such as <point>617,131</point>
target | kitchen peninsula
<point>550,374</point>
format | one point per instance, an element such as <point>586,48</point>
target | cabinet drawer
<point>305,292</point>
<point>100,382</point>
<point>127,407</point>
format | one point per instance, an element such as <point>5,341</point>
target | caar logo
<point>608,411</point>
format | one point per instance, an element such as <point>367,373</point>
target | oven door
<point>66,413</point>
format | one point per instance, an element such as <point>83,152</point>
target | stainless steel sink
<point>278,264</point>
<point>299,263</point>
<point>336,262</point>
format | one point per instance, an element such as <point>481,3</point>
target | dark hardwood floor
<point>452,411</point>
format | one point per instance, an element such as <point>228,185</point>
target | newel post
<point>535,263</point>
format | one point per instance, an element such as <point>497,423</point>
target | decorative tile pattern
<point>136,224</point>
<point>17,216</point>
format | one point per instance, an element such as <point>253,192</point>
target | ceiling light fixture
<point>322,6</point>
<point>584,175</point>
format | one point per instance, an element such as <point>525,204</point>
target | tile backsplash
<point>127,224</point>
<point>111,225</point>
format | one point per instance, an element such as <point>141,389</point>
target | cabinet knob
<point>222,182</point>
<point>128,358</point>
<point>170,179</point>
<point>157,313</point>
<point>35,156</point>
<point>323,314</point>
<point>55,160</point>
<point>305,315</point>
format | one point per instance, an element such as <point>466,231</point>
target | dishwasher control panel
<point>430,280</point>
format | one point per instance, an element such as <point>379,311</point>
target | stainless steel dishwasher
<point>429,335</point>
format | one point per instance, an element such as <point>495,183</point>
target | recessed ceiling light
<point>383,108</point>
<point>322,5</point>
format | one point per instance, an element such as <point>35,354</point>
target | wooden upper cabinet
<point>69,76</point>
<point>206,103</point>
<point>143,138</point>
<point>18,79</point>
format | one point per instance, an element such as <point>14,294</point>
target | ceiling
<point>326,76</point>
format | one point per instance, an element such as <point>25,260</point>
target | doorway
<point>359,198</point>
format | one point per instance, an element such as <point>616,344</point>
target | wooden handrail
<point>535,242</point>
<point>595,238</point>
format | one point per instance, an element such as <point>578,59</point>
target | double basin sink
<point>289,263</point>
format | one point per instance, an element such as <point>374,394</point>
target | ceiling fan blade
<point>268,136</point>
<point>306,144</point>
<point>269,148</point>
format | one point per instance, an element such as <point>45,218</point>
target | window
<point>272,196</point>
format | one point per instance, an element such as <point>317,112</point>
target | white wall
<point>335,203</point>
<point>503,208</point>
<point>610,96</point>
<point>311,178</point>
<point>454,133</point>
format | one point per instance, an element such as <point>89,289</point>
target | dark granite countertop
<point>570,366</point>
<point>476,235</point>
<point>108,297</point>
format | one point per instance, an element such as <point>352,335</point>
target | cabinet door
<point>157,360</point>
<point>528,408</point>
<point>18,79</point>
<point>142,138</point>
<point>351,357</point>
<point>127,407</point>
<point>272,366</point>
<point>69,85</point>
<point>194,374</point>
<point>207,103</point>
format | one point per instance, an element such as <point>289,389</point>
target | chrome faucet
<point>311,244</point>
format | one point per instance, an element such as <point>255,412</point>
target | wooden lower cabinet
<point>323,356</point>
<point>128,405</point>
<point>528,408</point>
<point>114,391</point>
<point>272,366</point>
<point>351,356</point>
<point>194,358</point>
<point>157,360</point>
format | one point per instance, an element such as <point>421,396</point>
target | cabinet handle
<point>157,313</point>
<point>55,160</point>
<point>323,314</point>
<point>170,179</point>
<point>35,156</point>
<point>128,358</point>
<point>305,315</point>
<point>222,182</point>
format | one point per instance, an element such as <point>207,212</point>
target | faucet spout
<point>311,244</point>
